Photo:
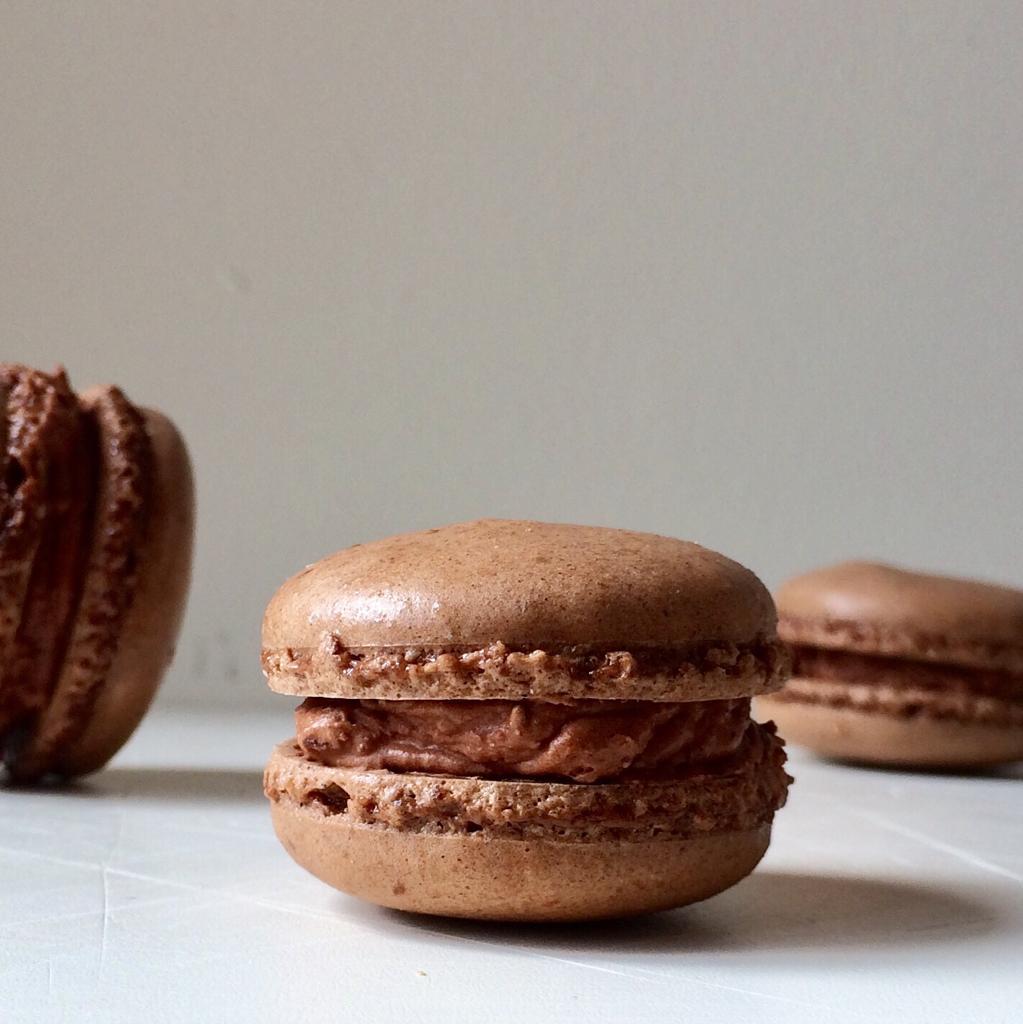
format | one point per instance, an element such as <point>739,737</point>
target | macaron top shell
<point>526,584</point>
<point>880,609</point>
<point>503,592</point>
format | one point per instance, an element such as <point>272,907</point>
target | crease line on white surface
<point>106,921</point>
<point>47,858</point>
<point>73,915</point>
<point>646,974</point>
<point>229,894</point>
<point>115,849</point>
<point>749,992</point>
<point>575,963</point>
<point>107,871</point>
<point>941,846</point>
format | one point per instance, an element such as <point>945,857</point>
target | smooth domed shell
<point>525,584</point>
<point>875,608</point>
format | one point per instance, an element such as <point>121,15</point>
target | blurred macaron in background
<point>894,667</point>
<point>96,523</point>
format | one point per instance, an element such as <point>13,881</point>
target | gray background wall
<point>747,273</point>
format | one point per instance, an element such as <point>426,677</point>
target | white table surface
<point>156,891</point>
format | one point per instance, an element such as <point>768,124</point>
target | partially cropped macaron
<point>525,721</point>
<point>901,668</point>
<point>96,522</point>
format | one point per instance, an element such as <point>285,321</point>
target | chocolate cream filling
<point>583,741</point>
<point>736,794</point>
<point>904,688</point>
<point>97,598</point>
<point>66,497</point>
<point>903,673</point>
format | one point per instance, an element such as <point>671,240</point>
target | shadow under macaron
<point>1002,772</point>
<point>770,911</point>
<point>202,785</point>
<point>1011,772</point>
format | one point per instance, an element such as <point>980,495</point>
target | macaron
<point>901,668</point>
<point>96,522</point>
<point>525,721</point>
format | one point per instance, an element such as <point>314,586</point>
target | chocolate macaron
<point>525,721</point>
<point>96,513</point>
<point>901,668</point>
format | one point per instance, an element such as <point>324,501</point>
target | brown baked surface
<point>898,667</point>
<point>521,850</point>
<point>119,521</point>
<point>96,509</point>
<point>150,629</point>
<point>872,732</point>
<point>880,609</point>
<point>743,796</point>
<point>508,609</point>
<point>493,878</point>
<point>904,700</point>
<point>46,486</point>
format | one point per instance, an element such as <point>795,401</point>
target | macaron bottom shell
<point>879,738</point>
<point>515,850</point>
<point>481,877</point>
